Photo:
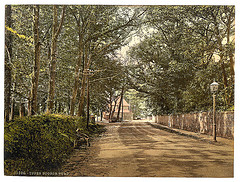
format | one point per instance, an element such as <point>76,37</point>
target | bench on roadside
<point>82,139</point>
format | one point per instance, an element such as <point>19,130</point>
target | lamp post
<point>214,88</point>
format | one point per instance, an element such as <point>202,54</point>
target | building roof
<point>126,107</point>
<point>124,102</point>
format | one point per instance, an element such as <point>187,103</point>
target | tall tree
<point>82,25</point>
<point>7,63</point>
<point>22,56</point>
<point>87,60</point>
<point>36,68</point>
<point>56,29</point>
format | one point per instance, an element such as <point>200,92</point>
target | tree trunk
<point>113,111</point>
<point>55,32</point>
<point>7,60</point>
<point>120,102</point>
<point>110,107</point>
<point>55,107</point>
<point>231,59</point>
<point>122,109</point>
<point>11,117</point>
<point>82,97</point>
<point>21,110</point>
<point>59,107</point>
<point>232,71</point>
<point>221,61</point>
<point>230,53</point>
<point>224,75</point>
<point>77,75</point>
<point>88,102</point>
<point>83,85</point>
<point>29,104</point>
<point>36,68</point>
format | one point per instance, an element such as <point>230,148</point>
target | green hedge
<point>40,143</point>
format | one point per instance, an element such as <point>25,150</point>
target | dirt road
<point>137,149</point>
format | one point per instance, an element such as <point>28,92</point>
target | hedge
<point>40,143</point>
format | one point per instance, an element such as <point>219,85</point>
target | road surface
<point>136,149</point>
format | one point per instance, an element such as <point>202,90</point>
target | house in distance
<point>125,111</point>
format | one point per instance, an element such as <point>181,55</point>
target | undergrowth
<point>41,143</point>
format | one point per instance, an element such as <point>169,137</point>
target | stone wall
<point>201,122</point>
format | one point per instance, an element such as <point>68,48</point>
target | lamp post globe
<point>214,87</point>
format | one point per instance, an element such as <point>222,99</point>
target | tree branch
<point>61,23</point>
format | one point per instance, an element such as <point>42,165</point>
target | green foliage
<point>40,143</point>
<point>177,61</point>
<point>138,103</point>
<point>102,30</point>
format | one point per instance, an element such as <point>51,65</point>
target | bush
<point>39,143</point>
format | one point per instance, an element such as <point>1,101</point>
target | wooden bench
<point>82,139</point>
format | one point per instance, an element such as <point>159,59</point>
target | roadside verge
<point>198,136</point>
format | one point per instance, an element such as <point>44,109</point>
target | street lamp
<point>214,88</point>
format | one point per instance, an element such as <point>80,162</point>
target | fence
<point>201,122</point>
